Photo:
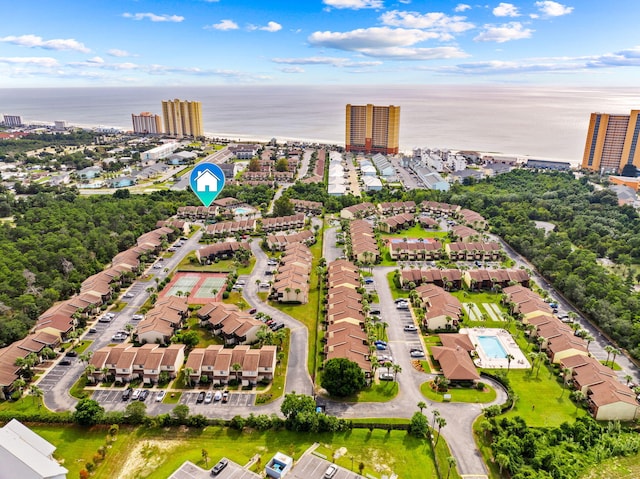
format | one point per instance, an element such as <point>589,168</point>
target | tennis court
<point>205,290</point>
<point>198,286</point>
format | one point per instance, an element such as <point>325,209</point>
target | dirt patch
<point>146,457</point>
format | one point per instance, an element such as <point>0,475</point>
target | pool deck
<point>519,360</point>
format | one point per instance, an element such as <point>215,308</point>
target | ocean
<point>536,122</point>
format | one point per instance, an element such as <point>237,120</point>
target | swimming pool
<point>492,347</point>
<point>242,211</point>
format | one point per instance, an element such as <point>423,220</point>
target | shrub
<point>480,386</point>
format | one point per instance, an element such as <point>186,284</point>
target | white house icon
<point>207,181</point>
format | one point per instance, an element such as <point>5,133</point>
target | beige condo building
<point>372,129</point>
<point>612,142</point>
<point>146,123</point>
<point>182,118</point>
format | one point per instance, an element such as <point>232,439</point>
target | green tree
<point>422,405</point>
<point>342,377</point>
<point>419,427</point>
<point>180,413</point>
<point>135,412</point>
<point>88,412</point>
<point>283,207</point>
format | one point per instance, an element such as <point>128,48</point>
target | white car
<point>160,396</point>
<point>208,397</point>
<point>136,394</point>
<point>218,396</point>
<point>410,328</point>
<point>128,295</point>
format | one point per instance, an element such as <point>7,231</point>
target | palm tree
<point>396,369</point>
<point>451,461</point>
<point>442,422</point>
<point>422,405</point>
<point>609,349</point>
<point>509,357</point>
<point>589,339</point>
<point>19,384</point>
<point>542,357</point>
<point>615,352</point>
<point>503,461</point>
<point>237,367</point>
<point>388,365</point>
<point>578,397</point>
<point>187,376</point>
<point>36,392</point>
<point>628,378</point>
<point>436,415</point>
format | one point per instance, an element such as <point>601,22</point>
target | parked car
<point>385,377</point>
<point>402,306</point>
<point>71,354</point>
<point>104,319</point>
<point>253,311</point>
<point>208,397</point>
<point>380,341</point>
<point>368,281</point>
<point>225,396</point>
<point>128,295</point>
<point>92,330</point>
<point>381,347</point>
<point>200,397</point>
<point>217,396</point>
<point>126,394</point>
<point>65,362</point>
<point>144,394</point>
<point>160,396</point>
<point>330,472</point>
<point>416,353</point>
<point>137,317</point>
<point>278,326</point>
<point>217,469</point>
<point>136,394</point>
<point>410,328</point>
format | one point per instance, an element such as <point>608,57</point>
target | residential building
<point>372,129</point>
<point>26,455</point>
<point>454,358</point>
<point>182,118</point>
<point>12,121</point>
<point>612,142</point>
<point>146,123</point>
<point>159,152</point>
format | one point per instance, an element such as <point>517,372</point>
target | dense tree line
<point>10,148</point>
<point>562,452</point>
<point>56,240</point>
<point>589,225</point>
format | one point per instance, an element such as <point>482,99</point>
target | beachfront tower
<point>612,142</point>
<point>182,118</point>
<point>146,123</point>
<point>372,129</point>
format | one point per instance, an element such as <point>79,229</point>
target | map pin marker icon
<point>206,181</point>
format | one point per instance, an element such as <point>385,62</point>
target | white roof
<point>25,454</point>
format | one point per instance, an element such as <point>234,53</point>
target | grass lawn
<point>172,398</point>
<point>77,390</point>
<point>76,445</point>
<point>155,453</point>
<point>484,445</point>
<point>309,313</point>
<point>542,401</point>
<point>25,405</point>
<point>415,231</point>
<point>235,297</point>
<point>205,336</point>
<point>378,392</point>
<point>459,395</point>
<point>82,346</point>
<point>395,291</point>
<point>615,366</point>
<point>616,468</point>
<point>280,374</point>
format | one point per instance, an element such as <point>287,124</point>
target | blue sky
<point>46,43</point>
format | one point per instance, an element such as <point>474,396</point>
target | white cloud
<point>370,38</point>
<point>292,70</point>
<point>224,25</point>
<point>115,52</point>
<point>334,61</point>
<point>34,41</point>
<point>506,10</point>
<point>154,17</point>
<point>353,4</point>
<point>553,9</point>
<point>462,7</point>
<point>38,61</point>
<point>435,21</point>
<point>504,33</point>
<point>272,27</point>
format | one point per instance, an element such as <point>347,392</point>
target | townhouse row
<point>607,398</point>
<point>291,282</point>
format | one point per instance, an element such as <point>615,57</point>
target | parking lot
<point>233,471</point>
<point>54,376</point>
<point>235,399</point>
<point>313,467</point>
